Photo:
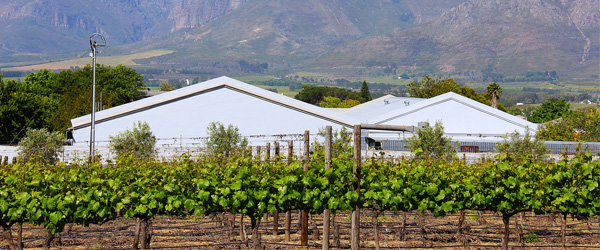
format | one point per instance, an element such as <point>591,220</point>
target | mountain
<point>507,37</point>
<point>43,26</point>
<point>349,37</point>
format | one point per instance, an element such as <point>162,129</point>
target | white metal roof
<point>380,106</point>
<point>459,114</point>
<point>221,82</point>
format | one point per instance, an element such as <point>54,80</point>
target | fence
<point>556,147</point>
<point>172,147</point>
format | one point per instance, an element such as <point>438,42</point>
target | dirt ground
<point>217,232</point>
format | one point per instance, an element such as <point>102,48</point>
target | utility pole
<point>94,45</point>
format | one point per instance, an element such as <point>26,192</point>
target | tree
<point>23,105</point>
<point>364,92</point>
<point>50,100</point>
<point>139,142</point>
<point>493,93</point>
<point>334,102</point>
<point>520,147</point>
<point>551,109</point>
<point>41,145</point>
<point>583,125</point>
<point>341,144</point>
<point>224,141</point>
<point>432,142</point>
<point>315,94</point>
<point>166,87</point>
<point>428,87</point>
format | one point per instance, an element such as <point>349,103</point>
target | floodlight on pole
<point>94,45</point>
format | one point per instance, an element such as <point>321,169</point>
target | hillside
<point>467,37</point>
<point>505,37</point>
<point>42,26</point>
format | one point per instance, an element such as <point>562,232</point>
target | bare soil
<point>217,232</point>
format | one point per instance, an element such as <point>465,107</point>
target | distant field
<point>389,80</point>
<point>106,60</point>
<point>285,90</point>
<point>254,78</point>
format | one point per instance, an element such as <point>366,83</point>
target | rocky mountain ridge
<point>507,37</point>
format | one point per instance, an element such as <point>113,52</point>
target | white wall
<point>189,118</point>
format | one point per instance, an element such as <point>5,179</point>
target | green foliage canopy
<point>520,147</point>
<point>551,109</point>
<point>46,99</point>
<point>316,94</point>
<point>334,102</point>
<point>364,92</point>
<point>23,105</point>
<point>225,141</point>
<point>341,144</point>
<point>428,87</point>
<point>431,140</point>
<point>41,145</point>
<point>583,125</point>
<point>139,142</point>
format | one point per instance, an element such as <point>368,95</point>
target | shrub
<point>519,147</point>
<point>41,145</point>
<point>431,140</point>
<point>139,141</point>
<point>224,141</point>
<point>341,144</point>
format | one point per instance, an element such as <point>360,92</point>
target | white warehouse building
<point>185,113</point>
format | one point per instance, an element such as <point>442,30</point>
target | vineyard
<point>396,197</point>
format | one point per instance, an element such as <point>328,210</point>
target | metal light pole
<point>93,46</point>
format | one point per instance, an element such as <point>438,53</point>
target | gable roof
<point>380,106</point>
<point>438,102</point>
<point>210,85</point>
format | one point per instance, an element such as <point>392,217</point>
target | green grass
<point>285,90</point>
<point>389,80</point>
<point>254,78</point>
<point>312,74</point>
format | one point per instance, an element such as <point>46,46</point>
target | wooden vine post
<point>355,236</point>
<point>276,213</point>
<point>327,166</point>
<point>267,159</point>
<point>304,226</point>
<point>288,214</point>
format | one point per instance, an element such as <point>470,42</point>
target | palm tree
<point>493,92</point>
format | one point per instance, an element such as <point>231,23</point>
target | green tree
<point>364,92</point>
<point>493,93</point>
<point>334,102</point>
<point>551,109</point>
<point>519,147</point>
<point>41,145</point>
<point>166,87</point>
<point>431,140</point>
<point>115,86</point>
<point>341,144</point>
<point>23,105</point>
<point>225,141</point>
<point>315,94</point>
<point>583,125</point>
<point>139,141</point>
<point>429,87</point>
<point>50,100</point>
